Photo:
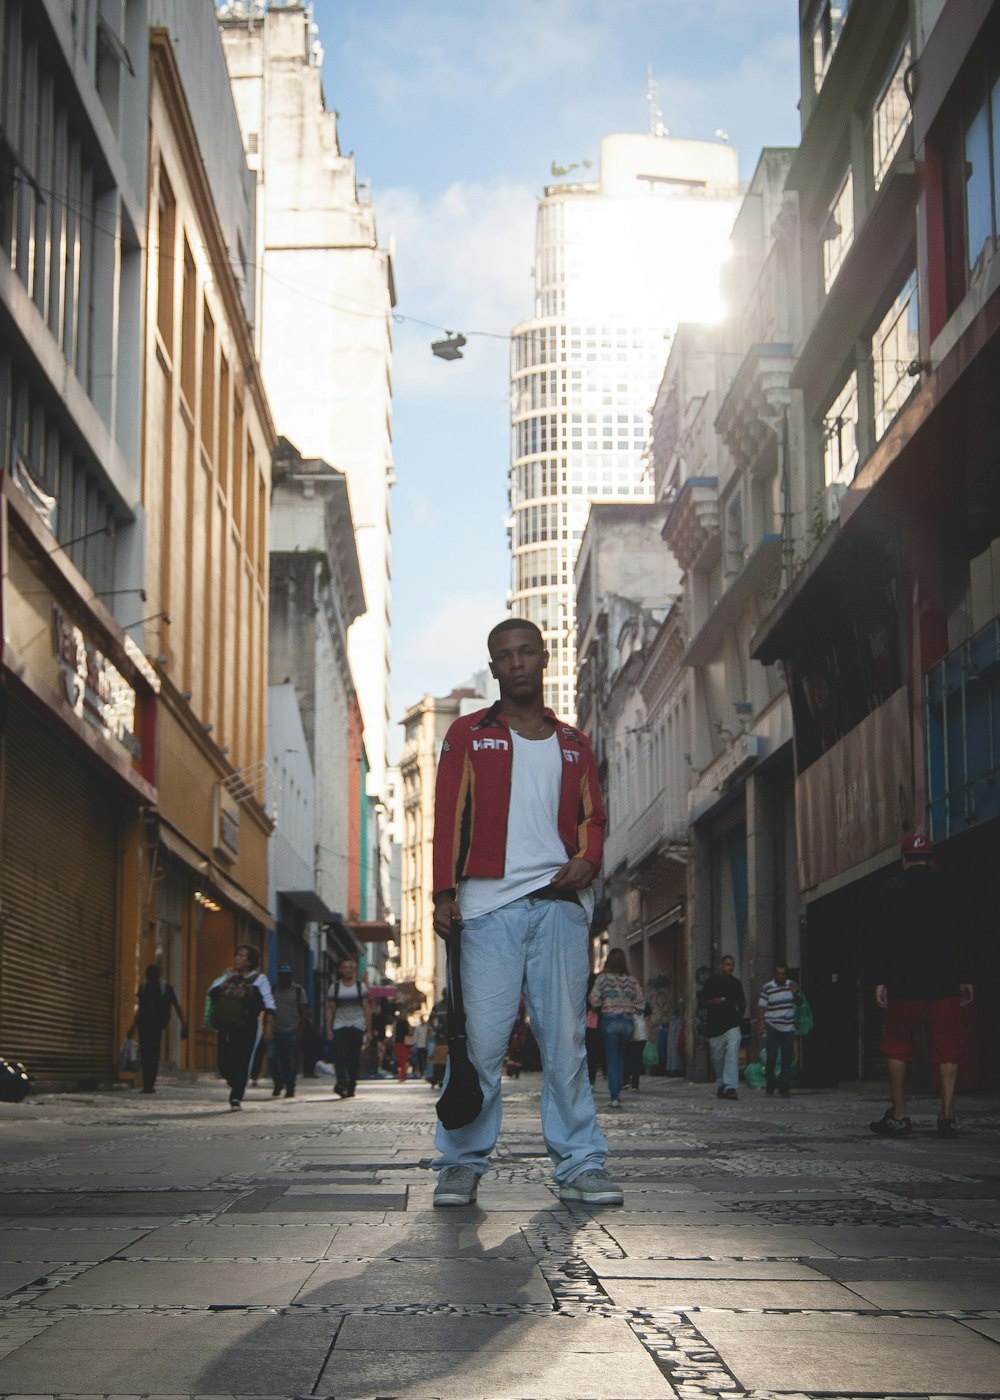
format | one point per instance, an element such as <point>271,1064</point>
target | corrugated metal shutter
<point>58,892</point>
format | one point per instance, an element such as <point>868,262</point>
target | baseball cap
<point>915,843</point>
<point>285,967</point>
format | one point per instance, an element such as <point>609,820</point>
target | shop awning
<point>374,931</point>
<point>310,904</point>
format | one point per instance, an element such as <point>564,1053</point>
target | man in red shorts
<point>921,979</point>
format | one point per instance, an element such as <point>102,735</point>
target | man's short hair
<point>253,957</point>
<point>514,624</point>
<point>727,957</point>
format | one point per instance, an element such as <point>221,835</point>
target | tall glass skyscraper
<point>619,262</point>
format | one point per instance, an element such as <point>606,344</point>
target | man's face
<point>727,965</point>
<point>517,661</point>
<point>284,979</point>
<point>348,968</point>
<point>780,973</point>
<point>241,962</point>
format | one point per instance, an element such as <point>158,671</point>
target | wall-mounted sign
<point>227,824</point>
<point>95,689</point>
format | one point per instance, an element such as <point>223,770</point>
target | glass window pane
<point>978,201</point>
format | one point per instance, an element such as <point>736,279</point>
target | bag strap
<point>456,1005</point>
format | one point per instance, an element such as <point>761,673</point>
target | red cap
<point>915,843</point>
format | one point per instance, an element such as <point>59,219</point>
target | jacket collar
<point>493,718</point>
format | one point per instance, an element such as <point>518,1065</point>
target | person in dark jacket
<point>724,1001</point>
<point>921,978</point>
<point>153,1001</point>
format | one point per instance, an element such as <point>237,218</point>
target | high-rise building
<point>619,261</point>
<point>324,297</point>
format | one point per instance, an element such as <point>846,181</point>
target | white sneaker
<point>457,1186</point>
<point>594,1188</point>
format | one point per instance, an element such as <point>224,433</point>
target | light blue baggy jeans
<point>726,1057</point>
<point>539,948</point>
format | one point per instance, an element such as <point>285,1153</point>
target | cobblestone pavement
<point>767,1248</point>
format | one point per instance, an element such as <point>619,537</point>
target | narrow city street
<point>169,1247</point>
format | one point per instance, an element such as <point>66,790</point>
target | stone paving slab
<point>195,1282</point>
<point>744,1269</point>
<point>459,1375</point>
<point>64,1245</point>
<point>715,1242</point>
<point>215,1242</point>
<point>14,1276</point>
<point>681,1295</point>
<point>851,1355</point>
<point>422,1281</point>
<point>190,1353</point>
<point>485,1240</point>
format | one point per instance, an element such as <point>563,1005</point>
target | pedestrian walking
<point>290,1007</point>
<point>723,1001</point>
<point>922,978</point>
<point>596,1058</point>
<point>239,1008</point>
<point>402,1045</point>
<point>419,1056</point>
<point>518,839</point>
<point>153,1003</point>
<point>635,1049</point>
<point>618,997</point>
<point>776,1016</point>
<point>348,1025</point>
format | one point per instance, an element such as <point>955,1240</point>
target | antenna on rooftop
<point>656,127</point>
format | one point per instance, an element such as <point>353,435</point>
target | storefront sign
<point>227,824</point>
<point>95,688</point>
<point>857,799</point>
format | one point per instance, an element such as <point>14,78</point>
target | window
<point>188,327</point>
<point>735,535</point>
<point>981,152</point>
<point>895,346</point>
<point>165,263</point>
<point>840,435</point>
<point>838,231</point>
<point>830,17</point>
<point>890,119</point>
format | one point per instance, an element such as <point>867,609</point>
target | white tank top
<point>535,851</point>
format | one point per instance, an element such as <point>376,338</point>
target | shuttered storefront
<point>60,829</point>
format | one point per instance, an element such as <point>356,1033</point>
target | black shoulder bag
<point>461,1099</point>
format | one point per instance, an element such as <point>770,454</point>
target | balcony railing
<point>962,709</point>
<point>656,827</point>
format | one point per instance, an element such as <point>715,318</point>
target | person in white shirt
<point>776,1010</point>
<point>237,1004</point>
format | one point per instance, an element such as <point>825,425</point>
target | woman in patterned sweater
<point>619,998</point>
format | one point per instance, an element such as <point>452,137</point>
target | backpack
<point>236,1003</point>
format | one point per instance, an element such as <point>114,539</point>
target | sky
<point>455,111</point>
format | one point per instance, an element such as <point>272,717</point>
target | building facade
<point>421,953</point>
<point>325,296</point>
<point>619,261</point>
<point>206,486</point>
<point>316,594</point>
<point>888,634</point>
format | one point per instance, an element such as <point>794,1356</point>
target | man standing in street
<point>776,1015</point>
<point>290,1008</point>
<point>723,1000</point>
<point>518,839</point>
<point>233,1009</point>
<point>922,978</point>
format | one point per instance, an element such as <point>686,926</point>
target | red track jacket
<point>472,798</point>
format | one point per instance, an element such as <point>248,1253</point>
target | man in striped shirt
<point>776,1008</point>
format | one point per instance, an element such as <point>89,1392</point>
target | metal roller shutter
<point>58,892</point>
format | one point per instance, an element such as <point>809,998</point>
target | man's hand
<point>445,909</point>
<point>966,994</point>
<point>882,996</point>
<point>576,874</point>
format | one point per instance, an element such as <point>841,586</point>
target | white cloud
<point>447,646</point>
<point>463,261</point>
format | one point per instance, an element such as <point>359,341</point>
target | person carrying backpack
<point>153,1001</point>
<point>233,1008</point>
